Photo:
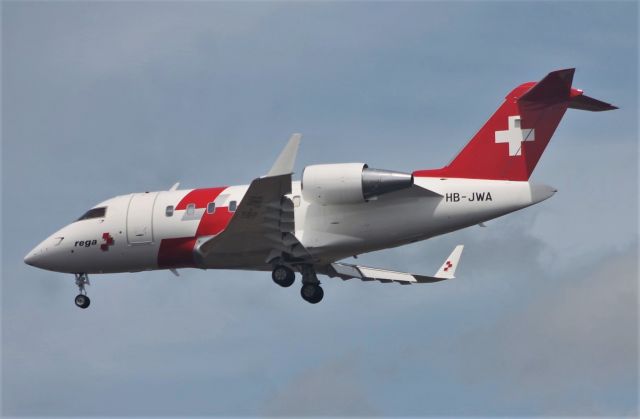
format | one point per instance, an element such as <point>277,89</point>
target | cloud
<point>559,352</point>
<point>526,332</point>
<point>332,388</point>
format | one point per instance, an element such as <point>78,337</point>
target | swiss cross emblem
<point>448,266</point>
<point>515,136</point>
<point>107,241</point>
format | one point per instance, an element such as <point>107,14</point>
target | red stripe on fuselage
<point>200,197</point>
<point>211,224</point>
<point>178,252</point>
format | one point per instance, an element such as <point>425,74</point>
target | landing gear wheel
<point>312,293</point>
<point>283,276</point>
<point>82,301</point>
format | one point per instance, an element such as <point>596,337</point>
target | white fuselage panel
<point>160,229</point>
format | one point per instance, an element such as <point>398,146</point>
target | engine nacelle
<point>349,183</point>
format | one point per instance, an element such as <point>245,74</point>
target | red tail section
<point>510,144</point>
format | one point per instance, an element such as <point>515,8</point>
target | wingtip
<point>287,158</point>
<point>448,268</point>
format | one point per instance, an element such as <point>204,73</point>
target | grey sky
<point>101,99</point>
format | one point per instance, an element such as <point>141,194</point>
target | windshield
<point>94,213</point>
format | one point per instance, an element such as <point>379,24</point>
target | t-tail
<point>512,141</point>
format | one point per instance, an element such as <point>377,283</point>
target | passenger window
<point>232,206</point>
<point>191,209</point>
<point>169,211</point>
<point>211,207</point>
<point>94,213</point>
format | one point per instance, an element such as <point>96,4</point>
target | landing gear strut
<point>311,290</point>
<point>82,300</point>
<point>283,276</point>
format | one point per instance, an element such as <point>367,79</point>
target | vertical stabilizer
<point>511,142</point>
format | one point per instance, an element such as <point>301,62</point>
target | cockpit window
<point>94,213</point>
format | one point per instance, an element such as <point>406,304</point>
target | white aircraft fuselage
<point>137,234</point>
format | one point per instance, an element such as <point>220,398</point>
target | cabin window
<point>169,211</point>
<point>232,206</point>
<point>191,209</point>
<point>94,213</point>
<point>211,208</point>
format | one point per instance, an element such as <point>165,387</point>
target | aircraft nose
<point>35,257</point>
<point>30,259</point>
<point>44,255</point>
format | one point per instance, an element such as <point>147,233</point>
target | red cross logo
<point>108,241</point>
<point>448,265</point>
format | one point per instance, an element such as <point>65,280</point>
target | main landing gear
<point>310,291</point>
<point>82,300</point>
<point>283,276</point>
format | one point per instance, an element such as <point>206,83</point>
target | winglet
<point>287,158</point>
<point>449,266</point>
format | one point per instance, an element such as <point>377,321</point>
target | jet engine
<point>350,183</point>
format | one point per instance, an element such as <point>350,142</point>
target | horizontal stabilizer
<point>586,103</point>
<point>554,87</point>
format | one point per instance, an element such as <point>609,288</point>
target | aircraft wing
<point>365,273</point>
<point>262,227</point>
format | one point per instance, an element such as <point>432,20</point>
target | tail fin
<point>512,141</point>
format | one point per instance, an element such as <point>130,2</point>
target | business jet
<point>336,211</point>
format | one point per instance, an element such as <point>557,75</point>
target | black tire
<point>82,301</point>
<point>283,276</point>
<point>312,293</point>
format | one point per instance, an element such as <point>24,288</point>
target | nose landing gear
<point>82,300</point>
